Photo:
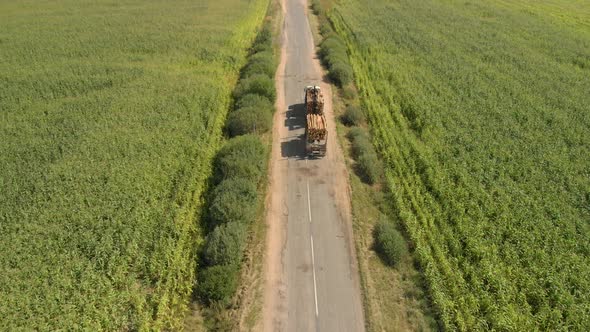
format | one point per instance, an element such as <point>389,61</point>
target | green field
<point>481,111</point>
<point>110,113</point>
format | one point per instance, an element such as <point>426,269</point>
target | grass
<point>394,299</point>
<point>480,112</point>
<point>111,113</point>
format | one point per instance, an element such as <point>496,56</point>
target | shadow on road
<point>293,146</point>
<point>295,117</point>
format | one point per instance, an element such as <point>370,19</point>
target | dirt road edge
<point>275,204</point>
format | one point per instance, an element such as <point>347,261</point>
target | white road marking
<point>308,203</point>
<point>315,289</point>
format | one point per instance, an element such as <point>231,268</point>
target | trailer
<point>316,135</point>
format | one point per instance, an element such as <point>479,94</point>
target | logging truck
<point>316,131</point>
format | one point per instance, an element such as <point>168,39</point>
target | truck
<point>316,130</point>
<point>314,99</point>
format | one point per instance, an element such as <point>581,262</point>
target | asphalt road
<point>318,288</point>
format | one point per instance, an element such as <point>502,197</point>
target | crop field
<point>481,112</point>
<point>110,114</point>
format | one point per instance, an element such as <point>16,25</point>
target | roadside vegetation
<point>393,294</point>
<point>332,50</point>
<point>237,194</point>
<point>111,114</point>
<point>479,112</point>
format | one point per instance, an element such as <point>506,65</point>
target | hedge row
<point>333,51</point>
<point>239,168</point>
<point>255,93</point>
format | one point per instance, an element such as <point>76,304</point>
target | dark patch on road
<point>307,171</point>
<point>304,267</point>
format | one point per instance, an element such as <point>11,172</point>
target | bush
<point>335,57</point>
<point>349,92</point>
<point>353,116</point>
<point>341,73</point>
<point>234,200</point>
<point>390,244</point>
<point>316,6</point>
<point>258,84</point>
<point>241,157</point>
<point>361,144</point>
<point>218,283</point>
<point>257,48</point>
<point>263,41</point>
<point>260,63</point>
<point>356,132</point>
<point>249,120</point>
<point>368,167</point>
<point>225,244</point>
<point>254,100</point>
<point>325,29</point>
<point>331,44</point>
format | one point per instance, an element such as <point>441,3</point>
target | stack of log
<point>315,101</point>
<point>316,127</point>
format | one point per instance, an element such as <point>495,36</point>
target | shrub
<point>218,283</point>
<point>353,116</point>
<point>330,45</point>
<point>263,41</point>
<point>361,144</point>
<point>341,73</point>
<point>325,29</point>
<point>257,48</point>
<point>335,57</point>
<point>234,200</point>
<point>356,132</point>
<point>260,63</point>
<point>249,120</point>
<point>225,244</point>
<point>241,157</point>
<point>254,100</point>
<point>259,84</point>
<point>390,244</point>
<point>369,167</point>
<point>316,6</point>
<point>333,54</point>
<point>349,92</point>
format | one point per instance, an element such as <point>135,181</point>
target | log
<point>316,127</point>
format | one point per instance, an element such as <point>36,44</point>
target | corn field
<point>110,114</point>
<point>481,112</point>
